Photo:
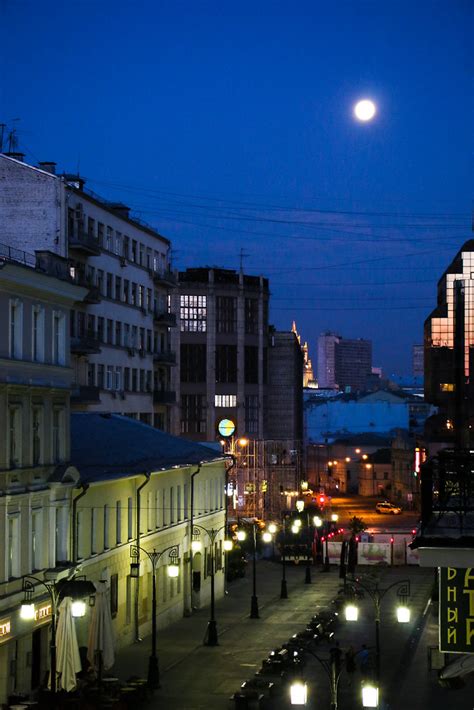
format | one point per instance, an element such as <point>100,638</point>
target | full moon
<point>364,110</point>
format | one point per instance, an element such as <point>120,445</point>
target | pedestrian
<point>364,659</point>
<point>350,662</point>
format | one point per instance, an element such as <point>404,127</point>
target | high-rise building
<point>343,363</point>
<point>449,347</point>
<point>120,335</point>
<point>221,344</point>
<point>418,361</point>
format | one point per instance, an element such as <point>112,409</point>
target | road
<point>363,507</point>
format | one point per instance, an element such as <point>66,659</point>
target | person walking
<point>349,658</point>
<point>364,660</point>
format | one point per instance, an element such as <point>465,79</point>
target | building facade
<point>120,334</point>
<point>343,363</point>
<point>35,382</point>
<point>449,347</point>
<point>221,344</point>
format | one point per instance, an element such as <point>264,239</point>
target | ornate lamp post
<point>173,571</point>
<point>241,535</point>
<point>332,667</point>
<point>376,594</point>
<point>211,636</point>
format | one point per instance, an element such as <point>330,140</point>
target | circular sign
<point>226,427</point>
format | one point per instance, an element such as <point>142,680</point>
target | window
<point>164,514</point>
<point>91,227</point>
<point>126,290</point>
<point>118,522</point>
<point>141,296</point>
<point>108,289</point>
<point>134,251</point>
<point>13,546</point>
<point>134,379</point>
<point>251,364</point>
<point>109,241</point>
<point>58,438</point>
<point>106,527</point>
<point>193,313</point>
<point>134,294</point>
<point>172,511</point>
<point>100,233</point>
<point>38,334</point>
<point>193,414</point>
<point>59,338</point>
<point>100,376</point>
<point>118,378</point>
<point>14,428</point>
<point>193,362</point>
<point>178,503</point>
<point>113,595</point>
<point>251,414</point>
<point>61,536</point>
<point>125,246</point>
<point>110,331</point>
<point>37,435</point>
<point>126,378</point>
<point>446,387</point>
<point>118,288</point>
<point>185,500</point>
<point>150,511</point>
<point>93,531</point>
<point>118,333</point>
<point>36,540</point>
<point>157,509</point>
<point>226,363</point>
<point>100,281</point>
<point>127,343</point>
<point>100,329</point>
<point>16,329</point>
<point>130,519</point>
<point>110,377</point>
<point>226,314</point>
<point>251,315</point>
<point>225,400</point>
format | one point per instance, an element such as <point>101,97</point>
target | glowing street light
<point>370,696</point>
<point>403,614</point>
<point>298,693</point>
<point>351,612</point>
<point>272,528</point>
<point>228,545</point>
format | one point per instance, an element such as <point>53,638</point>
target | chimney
<point>17,156</point>
<point>48,166</point>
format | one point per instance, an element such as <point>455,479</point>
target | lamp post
<point>56,590</point>
<point>284,588</point>
<point>173,571</point>
<point>376,594</point>
<point>241,535</point>
<point>332,667</point>
<point>212,533</point>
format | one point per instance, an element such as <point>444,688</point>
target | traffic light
<point>322,499</point>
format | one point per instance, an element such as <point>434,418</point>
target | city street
<point>195,677</point>
<point>346,506</point>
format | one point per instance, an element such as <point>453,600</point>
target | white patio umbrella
<point>68,661</point>
<point>100,648</point>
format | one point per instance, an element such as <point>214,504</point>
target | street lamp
<point>56,591</point>
<point>376,594</point>
<point>173,571</point>
<point>370,696</point>
<point>254,600</point>
<point>332,666</point>
<point>212,533</point>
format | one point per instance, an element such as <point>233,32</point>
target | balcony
<point>167,357</point>
<point>164,397</point>
<point>85,243</point>
<point>93,295</point>
<point>86,344</point>
<point>85,394</point>
<point>164,278</point>
<point>165,318</point>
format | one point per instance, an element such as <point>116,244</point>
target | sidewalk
<point>195,677</point>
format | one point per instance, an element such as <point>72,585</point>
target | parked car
<point>386,507</point>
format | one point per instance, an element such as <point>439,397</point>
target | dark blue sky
<point>229,126</point>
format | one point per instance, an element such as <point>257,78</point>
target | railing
<point>83,240</point>
<point>164,397</point>
<point>165,318</point>
<point>166,277</point>
<point>87,342</point>
<point>85,394</point>
<point>9,253</point>
<point>167,356</point>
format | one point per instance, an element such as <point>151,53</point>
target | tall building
<point>449,347</point>
<point>343,363</point>
<point>308,374</point>
<point>221,341</point>
<point>35,382</point>
<point>120,338</point>
<point>326,367</point>
<point>418,361</point>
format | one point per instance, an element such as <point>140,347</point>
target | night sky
<point>229,127</point>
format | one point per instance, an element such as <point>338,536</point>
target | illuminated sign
<point>5,628</point>
<point>226,427</point>
<point>42,612</point>
<point>456,610</point>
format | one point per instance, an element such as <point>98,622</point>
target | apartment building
<point>222,344</point>
<point>35,382</point>
<point>120,334</point>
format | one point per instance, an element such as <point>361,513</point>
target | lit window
<point>193,313</point>
<point>446,387</point>
<point>225,400</point>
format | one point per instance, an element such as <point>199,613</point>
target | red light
<point>322,499</point>
<point>413,532</point>
<point>322,539</point>
<point>391,539</point>
<point>357,539</point>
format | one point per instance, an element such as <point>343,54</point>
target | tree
<point>357,525</point>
